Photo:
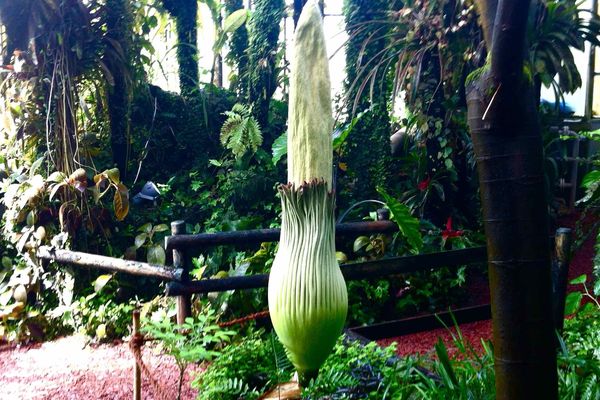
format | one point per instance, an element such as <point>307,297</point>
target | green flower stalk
<point>308,300</point>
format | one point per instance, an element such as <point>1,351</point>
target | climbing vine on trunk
<point>185,13</point>
<point>262,56</point>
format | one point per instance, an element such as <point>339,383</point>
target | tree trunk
<point>14,15</point>
<point>118,22</point>
<point>237,55</point>
<point>262,50</point>
<point>507,142</point>
<point>185,13</point>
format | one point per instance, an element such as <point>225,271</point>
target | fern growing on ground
<point>241,132</point>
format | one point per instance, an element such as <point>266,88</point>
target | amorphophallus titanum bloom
<point>308,300</point>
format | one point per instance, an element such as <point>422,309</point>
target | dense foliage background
<point>82,130</point>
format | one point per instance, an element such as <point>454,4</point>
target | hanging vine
<point>367,151</point>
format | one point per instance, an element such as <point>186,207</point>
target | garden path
<point>69,369</point>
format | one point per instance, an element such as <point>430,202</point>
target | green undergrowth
<point>256,363</point>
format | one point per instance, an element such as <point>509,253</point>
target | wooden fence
<point>183,246</point>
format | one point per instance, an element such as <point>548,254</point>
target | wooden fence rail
<point>183,246</point>
<point>361,270</point>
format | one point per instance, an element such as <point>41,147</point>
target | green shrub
<point>245,369</point>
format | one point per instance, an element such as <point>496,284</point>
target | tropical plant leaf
<point>57,177</point>
<point>572,302</point>
<point>121,202</point>
<point>113,175</point>
<point>140,240</point>
<point>579,280</point>
<point>590,178</point>
<point>235,20</point>
<point>156,255</point>
<point>408,225</point>
<point>101,281</point>
<point>240,132</point>
<point>279,148</point>
<point>160,228</point>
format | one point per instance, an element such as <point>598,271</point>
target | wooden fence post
<point>560,274</point>
<point>184,302</point>
<point>137,373</point>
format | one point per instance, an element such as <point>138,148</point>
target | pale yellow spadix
<point>310,121</point>
<point>308,300</point>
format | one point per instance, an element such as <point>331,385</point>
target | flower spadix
<point>308,299</point>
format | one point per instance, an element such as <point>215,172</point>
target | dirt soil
<point>68,368</point>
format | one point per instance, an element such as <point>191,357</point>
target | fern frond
<point>240,132</point>
<point>255,138</point>
<point>240,109</point>
<point>591,389</point>
<point>228,128</point>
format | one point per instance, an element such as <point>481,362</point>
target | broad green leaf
<point>35,166</point>
<point>161,228</point>
<point>114,175</point>
<point>57,177</point>
<point>590,178</point>
<point>147,228</point>
<point>57,186</point>
<point>235,20</point>
<point>341,257</point>
<point>408,225</point>
<point>360,242</point>
<point>6,262</point>
<point>572,302</point>
<point>140,239</point>
<point>101,281</point>
<point>279,148</point>
<point>579,280</point>
<point>31,218</point>
<point>156,255</point>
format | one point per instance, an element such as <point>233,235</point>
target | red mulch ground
<point>423,343</point>
<point>67,368</point>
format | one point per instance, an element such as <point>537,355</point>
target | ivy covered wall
<point>185,13</point>
<point>262,56</point>
<point>238,57</point>
<point>119,22</point>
